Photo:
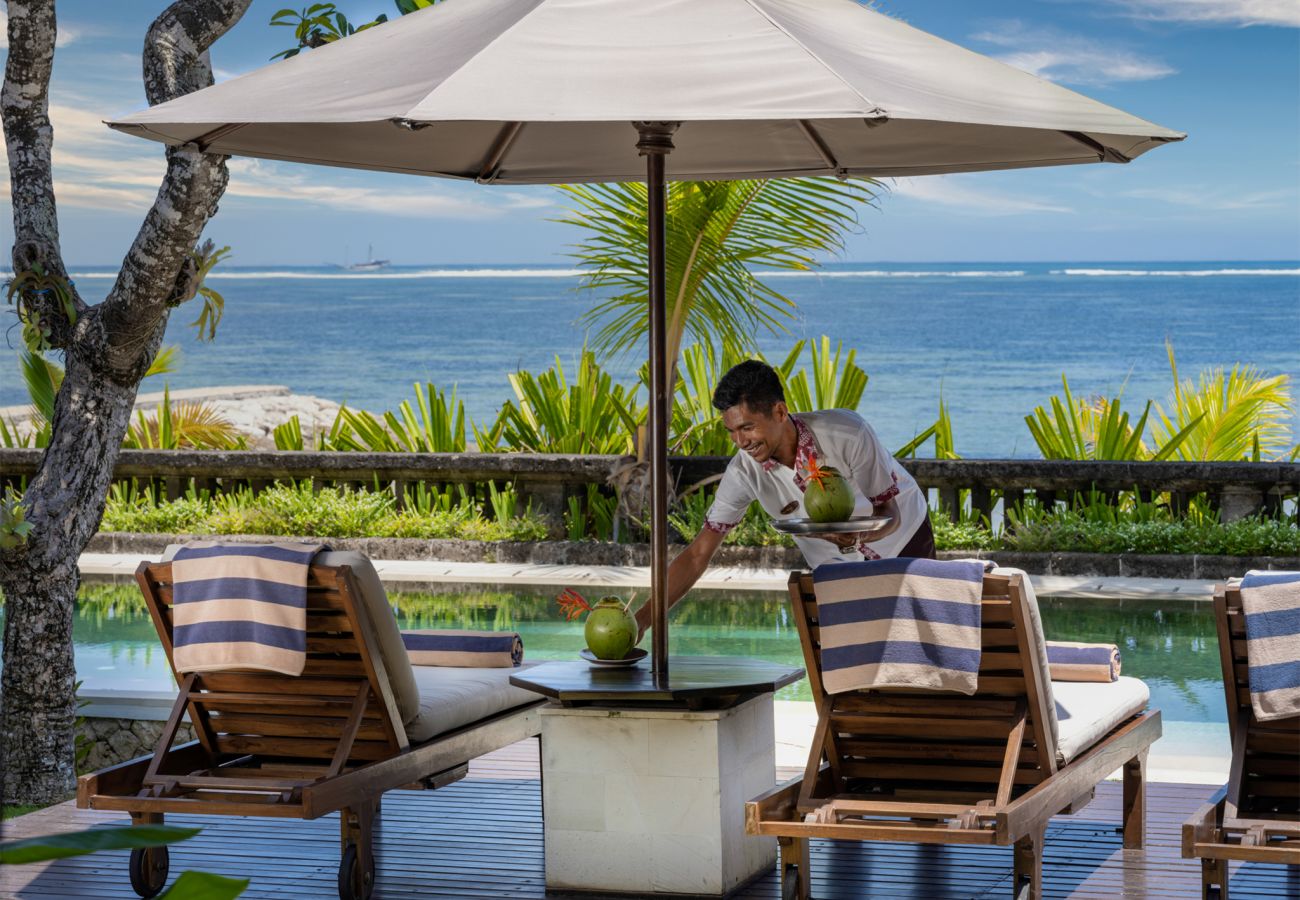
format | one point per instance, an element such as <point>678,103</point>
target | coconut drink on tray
<point>833,506</point>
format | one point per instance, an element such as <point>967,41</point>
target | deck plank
<point>482,838</point>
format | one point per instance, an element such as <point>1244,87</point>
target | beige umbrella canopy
<point>550,91</point>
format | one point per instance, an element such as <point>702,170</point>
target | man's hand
<point>849,540</point>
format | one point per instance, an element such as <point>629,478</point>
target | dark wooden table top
<point>694,681</point>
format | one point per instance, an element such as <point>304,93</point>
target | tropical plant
<point>439,426</point>
<point>288,435</point>
<point>834,384</point>
<point>945,446</point>
<point>1227,415</point>
<point>718,234</point>
<point>318,25</point>
<point>189,886</point>
<point>203,259</point>
<point>1097,429</point>
<point>592,415</point>
<point>191,425</point>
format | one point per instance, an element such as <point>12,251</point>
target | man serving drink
<point>777,451</point>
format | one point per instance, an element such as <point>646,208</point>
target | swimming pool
<point>1170,644</point>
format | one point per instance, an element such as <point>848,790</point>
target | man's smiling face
<point>757,433</point>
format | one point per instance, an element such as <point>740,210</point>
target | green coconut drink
<point>610,630</point>
<point>828,496</point>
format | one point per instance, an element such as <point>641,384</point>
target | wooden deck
<point>482,838</point>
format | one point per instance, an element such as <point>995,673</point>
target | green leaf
<point>204,886</point>
<point>58,846</point>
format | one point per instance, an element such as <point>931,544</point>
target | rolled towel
<point>1073,661</point>
<point>464,649</point>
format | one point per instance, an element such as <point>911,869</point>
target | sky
<point>1227,72</point>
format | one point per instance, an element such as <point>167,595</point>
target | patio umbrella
<point>563,91</point>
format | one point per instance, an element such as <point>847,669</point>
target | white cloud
<point>97,168</point>
<point>65,36</point>
<point>1058,56</point>
<point>1285,13</point>
<point>945,190</point>
<point>1216,201</point>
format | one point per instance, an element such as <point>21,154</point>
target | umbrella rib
<point>204,141</point>
<point>875,110</point>
<point>505,139</point>
<point>1104,153</point>
<point>820,146</point>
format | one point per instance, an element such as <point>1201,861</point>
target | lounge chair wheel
<point>149,870</point>
<point>790,883</point>
<point>354,883</point>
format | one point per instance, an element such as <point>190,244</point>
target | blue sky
<point>1225,71</point>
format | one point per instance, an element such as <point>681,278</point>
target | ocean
<point>993,339</point>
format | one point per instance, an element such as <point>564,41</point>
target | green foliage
<point>298,510</point>
<point>1150,531</point>
<point>754,530</point>
<point>1098,429</point>
<point>288,436</point>
<point>205,258</point>
<point>322,23</point>
<point>965,534</point>
<point>14,527</point>
<point>593,415</point>
<point>945,445</point>
<point>439,427</point>
<point>834,385</point>
<point>28,291</point>
<point>189,886</point>
<point>92,840</point>
<point>191,425</point>
<point>1236,415</point>
<point>718,233</point>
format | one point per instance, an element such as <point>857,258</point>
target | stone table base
<point>652,801</point>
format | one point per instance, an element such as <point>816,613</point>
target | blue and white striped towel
<point>467,649</point>
<point>240,606</point>
<point>1271,604</point>
<point>902,622</point>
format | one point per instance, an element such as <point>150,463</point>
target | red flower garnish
<point>817,473</point>
<point>572,604</point>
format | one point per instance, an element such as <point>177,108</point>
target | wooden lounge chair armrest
<point>1203,826</point>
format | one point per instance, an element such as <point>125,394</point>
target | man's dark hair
<point>752,383</point>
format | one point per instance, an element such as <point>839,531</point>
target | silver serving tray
<point>864,524</point>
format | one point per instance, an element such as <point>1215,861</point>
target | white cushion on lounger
<point>452,697</point>
<point>1088,711</point>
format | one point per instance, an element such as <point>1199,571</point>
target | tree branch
<point>29,137</point>
<point>175,63</point>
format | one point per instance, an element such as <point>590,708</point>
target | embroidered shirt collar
<point>804,448</point>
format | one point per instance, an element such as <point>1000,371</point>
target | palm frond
<point>1227,414</point>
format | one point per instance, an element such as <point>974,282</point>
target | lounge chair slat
<point>911,749</point>
<point>919,726</point>
<point>293,725</point>
<point>884,770</point>
<point>299,748</point>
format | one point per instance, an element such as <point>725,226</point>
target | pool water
<point>1170,644</point>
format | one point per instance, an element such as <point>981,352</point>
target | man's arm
<point>683,572</point>
<point>849,540</point>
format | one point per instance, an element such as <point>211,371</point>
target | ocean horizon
<point>992,337</point>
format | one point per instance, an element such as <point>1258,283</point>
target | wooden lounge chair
<point>359,721</point>
<point>1256,815</point>
<point>944,768</point>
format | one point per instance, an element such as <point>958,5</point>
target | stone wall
<point>115,741</point>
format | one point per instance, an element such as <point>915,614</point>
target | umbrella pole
<point>656,143</point>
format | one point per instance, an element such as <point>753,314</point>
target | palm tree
<point>719,232</point>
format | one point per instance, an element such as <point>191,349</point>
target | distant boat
<point>371,264</point>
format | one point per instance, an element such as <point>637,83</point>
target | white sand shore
<point>254,409</point>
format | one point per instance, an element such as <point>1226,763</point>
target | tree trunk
<point>107,348</point>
